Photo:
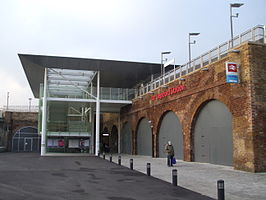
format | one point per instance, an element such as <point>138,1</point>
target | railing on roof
<point>106,93</point>
<point>20,109</point>
<point>254,34</point>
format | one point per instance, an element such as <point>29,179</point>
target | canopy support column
<point>119,135</point>
<point>44,115</point>
<point>97,138</point>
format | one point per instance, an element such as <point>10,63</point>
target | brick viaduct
<point>246,101</point>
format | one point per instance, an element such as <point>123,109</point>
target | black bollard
<point>174,177</point>
<point>99,155</point>
<point>220,189</point>
<point>131,164</point>
<point>119,160</point>
<point>103,155</point>
<point>111,159</point>
<point>148,169</point>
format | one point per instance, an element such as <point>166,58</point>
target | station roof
<point>115,74</point>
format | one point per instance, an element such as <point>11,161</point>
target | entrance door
<point>144,138</point>
<point>213,141</point>
<point>27,144</point>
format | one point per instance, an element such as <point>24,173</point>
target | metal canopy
<point>115,74</point>
<point>62,82</point>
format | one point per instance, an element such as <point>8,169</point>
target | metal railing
<point>106,93</point>
<point>20,109</point>
<point>256,34</point>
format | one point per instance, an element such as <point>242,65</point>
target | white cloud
<point>18,93</point>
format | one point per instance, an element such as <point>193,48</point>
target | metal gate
<point>114,140</point>
<point>213,142</point>
<point>171,130</point>
<point>26,139</point>
<point>126,139</point>
<point>144,138</point>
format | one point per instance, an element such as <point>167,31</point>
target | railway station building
<point>213,109</point>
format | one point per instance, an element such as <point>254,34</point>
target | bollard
<point>131,164</point>
<point>111,159</point>
<point>99,155</point>
<point>103,155</point>
<point>174,177</point>
<point>220,189</point>
<point>148,169</point>
<point>119,160</point>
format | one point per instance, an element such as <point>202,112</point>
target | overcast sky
<point>129,30</point>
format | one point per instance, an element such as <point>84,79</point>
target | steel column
<point>97,139</point>
<point>44,115</point>
<point>119,135</point>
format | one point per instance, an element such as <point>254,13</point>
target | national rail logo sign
<point>231,72</point>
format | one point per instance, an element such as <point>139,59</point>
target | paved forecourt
<point>29,176</point>
<point>202,177</point>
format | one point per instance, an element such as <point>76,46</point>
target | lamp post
<point>163,53</point>
<point>189,47</point>
<point>233,5</point>
<point>7,101</point>
<point>30,103</point>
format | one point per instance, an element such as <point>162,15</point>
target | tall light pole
<point>189,47</point>
<point>233,5</point>
<point>163,53</point>
<point>7,101</point>
<point>30,103</point>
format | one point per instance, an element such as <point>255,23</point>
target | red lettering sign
<point>169,92</point>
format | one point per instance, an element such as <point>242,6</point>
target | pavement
<point>82,176</point>
<point>27,176</point>
<point>203,177</point>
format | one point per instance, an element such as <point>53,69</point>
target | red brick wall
<point>246,102</point>
<point>258,103</point>
<point>17,120</point>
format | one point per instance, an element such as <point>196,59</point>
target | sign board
<point>169,92</point>
<point>170,62</point>
<point>231,72</point>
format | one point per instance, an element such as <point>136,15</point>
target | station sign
<point>169,92</point>
<point>231,72</point>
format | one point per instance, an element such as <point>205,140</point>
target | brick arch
<point>113,139</point>
<point>135,147</point>
<point>197,107</point>
<point>158,126</point>
<point>123,124</point>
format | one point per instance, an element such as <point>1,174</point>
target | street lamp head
<point>194,33</point>
<point>236,5</point>
<point>166,52</point>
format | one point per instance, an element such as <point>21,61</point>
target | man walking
<point>170,152</point>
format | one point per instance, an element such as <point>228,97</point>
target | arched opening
<point>144,138</point>
<point>213,141</point>
<point>105,139</point>
<point>114,140</point>
<point>26,139</point>
<point>126,139</point>
<point>170,130</point>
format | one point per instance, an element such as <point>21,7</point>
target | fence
<point>20,109</point>
<point>256,34</point>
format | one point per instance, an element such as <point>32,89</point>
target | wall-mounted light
<point>150,92</point>
<point>234,51</point>
<point>164,86</point>
<point>182,79</point>
<point>205,69</point>
<point>149,121</point>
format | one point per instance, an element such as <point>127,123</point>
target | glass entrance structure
<point>75,92</point>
